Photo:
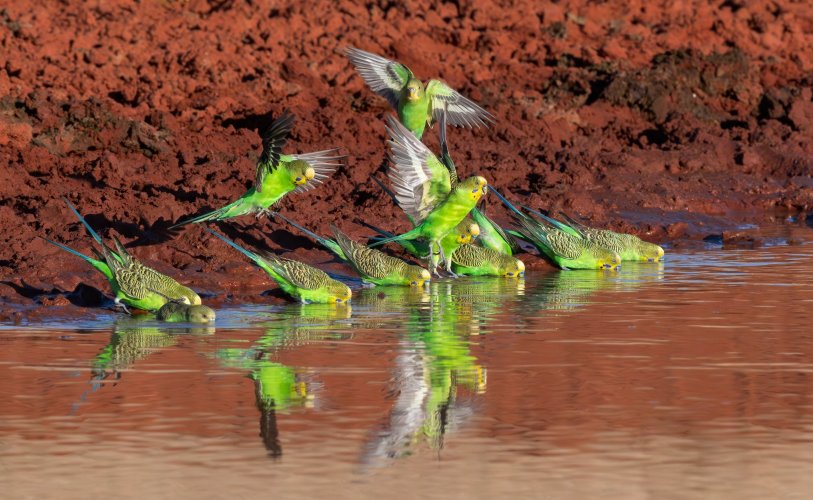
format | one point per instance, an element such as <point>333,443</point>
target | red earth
<point>677,121</point>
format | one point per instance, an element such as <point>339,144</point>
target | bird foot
<point>123,307</point>
<point>271,214</point>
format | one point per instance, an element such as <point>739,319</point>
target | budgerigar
<point>416,104</point>
<point>176,312</point>
<point>423,194</point>
<point>565,250</point>
<point>301,281</point>
<point>463,234</point>
<point>628,246</point>
<point>372,265</point>
<point>473,260</point>
<point>134,285</point>
<point>492,236</point>
<point>277,175</point>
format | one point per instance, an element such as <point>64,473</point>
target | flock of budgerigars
<point>449,231</point>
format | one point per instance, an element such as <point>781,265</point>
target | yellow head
<point>301,172</point>
<point>474,186</point>
<point>609,260</point>
<point>513,268</point>
<point>414,90</point>
<point>466,231</point>
<point>417,275</point>
<point>200,314</point>
<point>650,252</point>
<point>340,293</point>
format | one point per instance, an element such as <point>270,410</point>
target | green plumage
<point>134,285</point>
<point>277,175</point>
<point>628,246</point>
<point>299,280</point>
<point>420,193</point>
<point>492,236</point>
<point>473,260</point>
<point>564,249</point>
<point>416,104</point>
<point>372,265</point>
<point>176,312</point>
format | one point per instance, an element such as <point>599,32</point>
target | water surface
<point>687,379</point>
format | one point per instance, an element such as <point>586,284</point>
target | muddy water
<point>686,379</point>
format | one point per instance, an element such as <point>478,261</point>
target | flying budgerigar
<point>628,246</point>
<point>416,104</point>
<point>301,281</point>
<point>463,234</point>
<point>372,265</point>
<point>177,312</point>
<point>423,189</point>
<point>473,260</point>
<point>565,250</point>
<point>277,175</point>
<point>134,284</point>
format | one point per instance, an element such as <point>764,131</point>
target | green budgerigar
<point>628,246</point>
<point>277,175</point>
<point>463,234</point>
<point>177,312</point>
<point>565,250</point>
<point>416,104</point>
<point>134,285</point>
<point>299,280</point>
<point>372,265</point>
<point>423,188</point>
<point>473,260</point>
<point>493,236</point>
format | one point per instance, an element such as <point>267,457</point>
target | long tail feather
<point>90,230</point>
<point>380,231</point>
<point>573,231</point>
<point>99,265</point>
<point>248,253</point>
<point>214,215</point>
<point>409,235</point>
<point>325,242</point>
<point>573,222</point>
<point>507,203</point>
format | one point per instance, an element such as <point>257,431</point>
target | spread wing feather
<point>418,178</point>
<point>324,163</point>
<point>461,111</point>
<point>386,78</point>
<point>274,139</point>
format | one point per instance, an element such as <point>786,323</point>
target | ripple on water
<point>691,378</point>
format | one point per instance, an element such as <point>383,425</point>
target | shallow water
<point>688,379</point>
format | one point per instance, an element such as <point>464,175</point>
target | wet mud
<point>678,123</point>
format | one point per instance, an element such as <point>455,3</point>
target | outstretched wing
<point>461,112</point>
<point>386,78</point>
<point>420,181</point>
<point>324,163</point>
<point>274,139</point>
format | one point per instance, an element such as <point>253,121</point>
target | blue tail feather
<point>90,230</point>
<point>248,253</point>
